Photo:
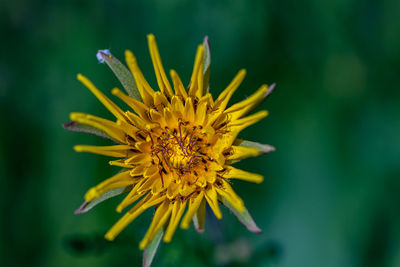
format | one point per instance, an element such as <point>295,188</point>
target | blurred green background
<point>332,190</point>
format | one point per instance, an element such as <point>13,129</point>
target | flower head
<point>175,146</point>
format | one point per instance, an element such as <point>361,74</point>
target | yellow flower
<point>175,146</point>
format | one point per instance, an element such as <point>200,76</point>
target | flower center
<point>180,149</point>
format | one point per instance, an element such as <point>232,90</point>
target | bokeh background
<point>332,190</point>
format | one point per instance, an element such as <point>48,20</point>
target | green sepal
<point>262,148</point>
<point>151,250</point>
<point>206,69</point>
<point>84,128</point>
<point>86,206</point>
<point>122,73</point>
<point>199,217</point>
<point>243,216</point>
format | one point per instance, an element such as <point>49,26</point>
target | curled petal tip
<point>255,230</point>
<point>268,149</point>
<point>81,208</point>
<point>101,53</point>
<point>67,125</point>
<point>270,89</point>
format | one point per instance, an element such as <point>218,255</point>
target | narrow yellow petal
<point>189,110</point>
<point>114,109</point>
<point>154,200</point>
<point>178,86</point>
<point>229,194</point>
<point>156,116</point>
<point>160,218</point>
<point>194,90</point>
<point>177,211</point>
<point>139,122</point>
<point>201,112</point>
<point>160,100</point>
<point>177,105</point>
<point>239,125</point>
<point>222,101</point>
<point>194,204</point>
<point>140,167</point>
<point>116,181</point>
<point>162,79</point>
<point>242,108</point>
<point>170,119</point>
<point>110,127</point>
<point>241,152</point>
<point>120,163</point>
<point>212,200</point>
<point>200,80</point>
<point>138,158</point>
<point>225,96</point>
<point>128,128</point>
<point>130,198</point>
<point>140,108</point>
<point>144,88</point>
<point>128,217</point>
<point>112,151</point>
<point>149,182</point>
<point>233,173</point>
<point>173,190</point>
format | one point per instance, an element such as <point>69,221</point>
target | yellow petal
<point>177,104</point>
<point>112,151</point>
<point>225,96</point>
<point>201,112</point>
<point>233,173</point>
<point>132,196</point>
<point>116,181</point>
<point>227,192</point>
<point>189,110</point>
<point>128,217</point>
<point>177,211</point>
<point>111,128</point>
<point>144,88</point>
<point>239,125</point>
<point>241,152</point>
<point>242,108</point>
<point>170,119</point>
<point>160,218</point>
<point>140,108</point>
<point>114,109</point>
<point>194,89</point>
<point>212,200</point>
<point>128,128</point>
<point>178,86</point>
<point>194,203</point>
<point>162,79</point>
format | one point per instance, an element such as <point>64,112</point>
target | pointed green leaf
<point>206,69</point>
<point>261,147</point>
<point>83,128</point>
<point>243,216</point>
<point>122,73</point>
<point>151,249</point>
<point>86,206</point>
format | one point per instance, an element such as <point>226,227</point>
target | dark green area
<point>332,189</point>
